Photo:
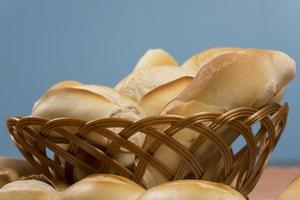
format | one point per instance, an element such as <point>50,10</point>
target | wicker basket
<point>242,166</point>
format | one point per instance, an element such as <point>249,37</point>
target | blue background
<point>43,42</point>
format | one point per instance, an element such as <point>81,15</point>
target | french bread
<point>90,102</point>
<point>191,190</point>
<point>248,77</point>
<point>142,85</point>
<point>155,57</point>
<point>104,187</point>
<point>27,190</point>
<point>152,58</point>
<point>197,61</point>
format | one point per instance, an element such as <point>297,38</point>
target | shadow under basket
<point>240,142</point>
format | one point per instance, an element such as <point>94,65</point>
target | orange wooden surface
<point>273,181</point>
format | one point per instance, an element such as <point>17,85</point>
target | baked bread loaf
<point>292,191</point>
<point>87,102</point>
<point>152,58</point>
<point>90,102</point>
<point>147,84</point>
<point>248,77</point>
<point>197,61</point>
<point>155,57</point>
<point>156,73</point>
<point>104,187</point>
<point>12,169</point>
<point>191,190</point>
<point>27,190</point>
<point>144,80</point>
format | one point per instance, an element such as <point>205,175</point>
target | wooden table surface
<point>273,181</point>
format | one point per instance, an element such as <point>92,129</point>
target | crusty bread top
<point>100,186</point>
<point>144,80</point>
<point>101,101</point>
<point>191,190</point>
<point>197,61</point>
<point>111,178</point>
<point>249,77</point>
<point>154,101</point>
<point>21,185</point>
<point>89,102</point>
<point>27,190</point>
<point>155,57</point>
<point>152,58</point>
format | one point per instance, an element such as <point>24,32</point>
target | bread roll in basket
<point>221,125</point>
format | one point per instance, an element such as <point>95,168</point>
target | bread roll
<point>12,169</point>
<point>27,190</point>
<point>104,187</point>
<point>155,57</point>
<point>147,84</point>
<point>154,101</point>
<point>192,190</point>
<point>144,80</point>
<point>90,102</point>
<point>197,61</point>
<point>152,58</point>
<point>249,77</point>
<point>292,191</point>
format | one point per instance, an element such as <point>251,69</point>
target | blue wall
<point>43,42</point>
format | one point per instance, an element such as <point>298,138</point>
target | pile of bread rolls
<point>24,185</point>
<point>215,80</point>
<point>112,187</point>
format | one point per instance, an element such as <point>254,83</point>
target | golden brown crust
<point>197,61</point>
<point>191,190</point>
<point>154,101</point>
<point>69,89</point>
<point>68,83</point>
<point>154,58</point>
<point>256,73</point>
<point>102,186</point>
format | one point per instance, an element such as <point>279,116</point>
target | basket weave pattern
<point>240,167</point>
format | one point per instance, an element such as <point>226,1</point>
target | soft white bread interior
<point>104,187</point>
<point>12,169</point>
<point>27,190</point>
<point>292,191</point>
<point>197,61</point>
<point>192,190</point>
<point>152,58</point>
